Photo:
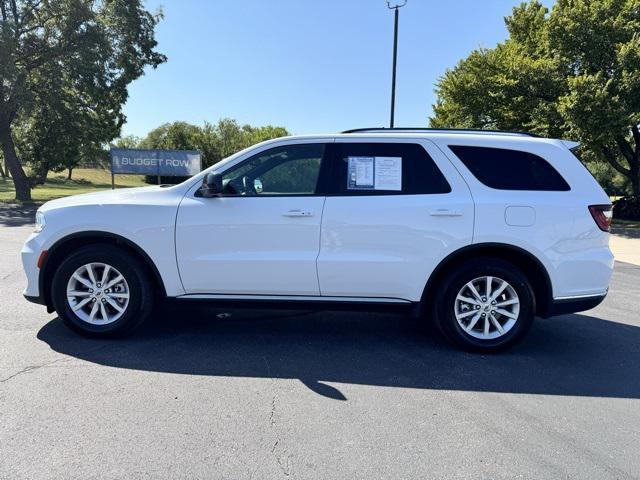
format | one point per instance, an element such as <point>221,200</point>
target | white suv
<point>478,230</point>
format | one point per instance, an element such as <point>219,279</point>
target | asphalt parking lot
<point>314,395</point>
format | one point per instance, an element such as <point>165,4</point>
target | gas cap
<point>520,216</point>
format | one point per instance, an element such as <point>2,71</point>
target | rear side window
<point>385,169</point>
<point>510,169</point>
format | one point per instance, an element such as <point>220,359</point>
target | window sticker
<point>388,173</point>
<point>360,173</point>
<point>374,173</point>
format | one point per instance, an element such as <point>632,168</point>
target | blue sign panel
<point>166,163</point>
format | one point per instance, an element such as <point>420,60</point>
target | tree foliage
<point>573,71</point>
<point>64,70</point>
<point>213,141</point>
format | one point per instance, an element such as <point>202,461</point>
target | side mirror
<point>211,185</point>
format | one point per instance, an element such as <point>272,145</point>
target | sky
<point>312,66</point>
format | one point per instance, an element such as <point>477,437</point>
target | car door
<point>261,235</point>
<point>394,210</point>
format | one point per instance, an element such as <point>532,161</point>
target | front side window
<point>286,170</point>
<point>386,169</point>
<point>505,169</point>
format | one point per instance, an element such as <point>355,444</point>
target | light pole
<point>395,7</point>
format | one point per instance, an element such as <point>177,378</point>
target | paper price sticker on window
<point>360,174</point>
<point>388,173</point>
<point>374,173</point>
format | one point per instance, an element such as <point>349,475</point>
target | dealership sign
<point>165,163</point>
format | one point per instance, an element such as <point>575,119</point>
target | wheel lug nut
<point>484,315</point>
<point>493,303</point>
<point>93,299</point>
<point>99,285</point>
<point>484,299</point>
<point>90,290</point>
<point>493,312</point>
<point>477,307</point>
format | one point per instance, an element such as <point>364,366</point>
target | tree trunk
<point>2,174</point>
<point>634,164</point>
<point>69,174</point>
<point>40,175</point>
<point>631,154</point>
<point>20,179</point>
<point>635,180</point>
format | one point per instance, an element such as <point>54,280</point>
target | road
<point>315,395</point>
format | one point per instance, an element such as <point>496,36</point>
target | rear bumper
<point>573,305</point>
<point>35,299</point>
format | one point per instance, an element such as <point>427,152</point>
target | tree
<point>570,72</point>
<point>127,141</point>
<point>213,141</point>
<point>67,62</point>
<point>229,137</point>
<point>173,136</point>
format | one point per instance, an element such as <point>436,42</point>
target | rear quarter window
<point>506,169</point>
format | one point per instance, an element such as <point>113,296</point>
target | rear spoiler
<point>570,144</point>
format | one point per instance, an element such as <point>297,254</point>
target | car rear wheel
<point>485,305</point>
<point>102,290</point>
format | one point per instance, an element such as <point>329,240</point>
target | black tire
<point>132,269</point>
<point>458,278</point>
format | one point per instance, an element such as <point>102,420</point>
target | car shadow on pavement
<point>578,355</point>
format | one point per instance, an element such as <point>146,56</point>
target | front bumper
<point>29,255</point>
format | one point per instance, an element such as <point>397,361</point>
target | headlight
<point>40,221</point>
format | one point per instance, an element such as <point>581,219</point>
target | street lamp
<point>394,6</point>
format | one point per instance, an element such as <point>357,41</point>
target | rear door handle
<point>297,213</point>
<point>445,212</point>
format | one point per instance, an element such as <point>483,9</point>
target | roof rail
<point>440,130</point>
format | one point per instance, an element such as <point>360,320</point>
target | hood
<point>122,195</point>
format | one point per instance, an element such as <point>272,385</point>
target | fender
<point>532,267</point>
<point>98,235</point>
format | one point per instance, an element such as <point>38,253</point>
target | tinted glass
<point>416,173</point>
<point>510,169</point>
<point>288,170</point>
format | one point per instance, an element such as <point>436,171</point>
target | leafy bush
<point>609,179</point>
<point>627,208</point>
<point>153,180</point>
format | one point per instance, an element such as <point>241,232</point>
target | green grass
<point>626,223</point>
<point>84,180</point>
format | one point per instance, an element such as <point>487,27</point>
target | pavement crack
<point>32,368</point>
<point>280,454</point>
<point>4,277</point>
<point>274,396</point>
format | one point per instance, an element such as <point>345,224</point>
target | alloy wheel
<point>487,307</point>
<point>98,293</point>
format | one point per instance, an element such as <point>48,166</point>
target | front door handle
<point>445,212</point>
<point>297,213</point>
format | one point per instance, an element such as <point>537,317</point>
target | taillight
<point>602,214</point>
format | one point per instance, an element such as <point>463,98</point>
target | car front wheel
<point>102,290</point>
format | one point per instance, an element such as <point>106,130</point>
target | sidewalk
<point>625,244</point>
